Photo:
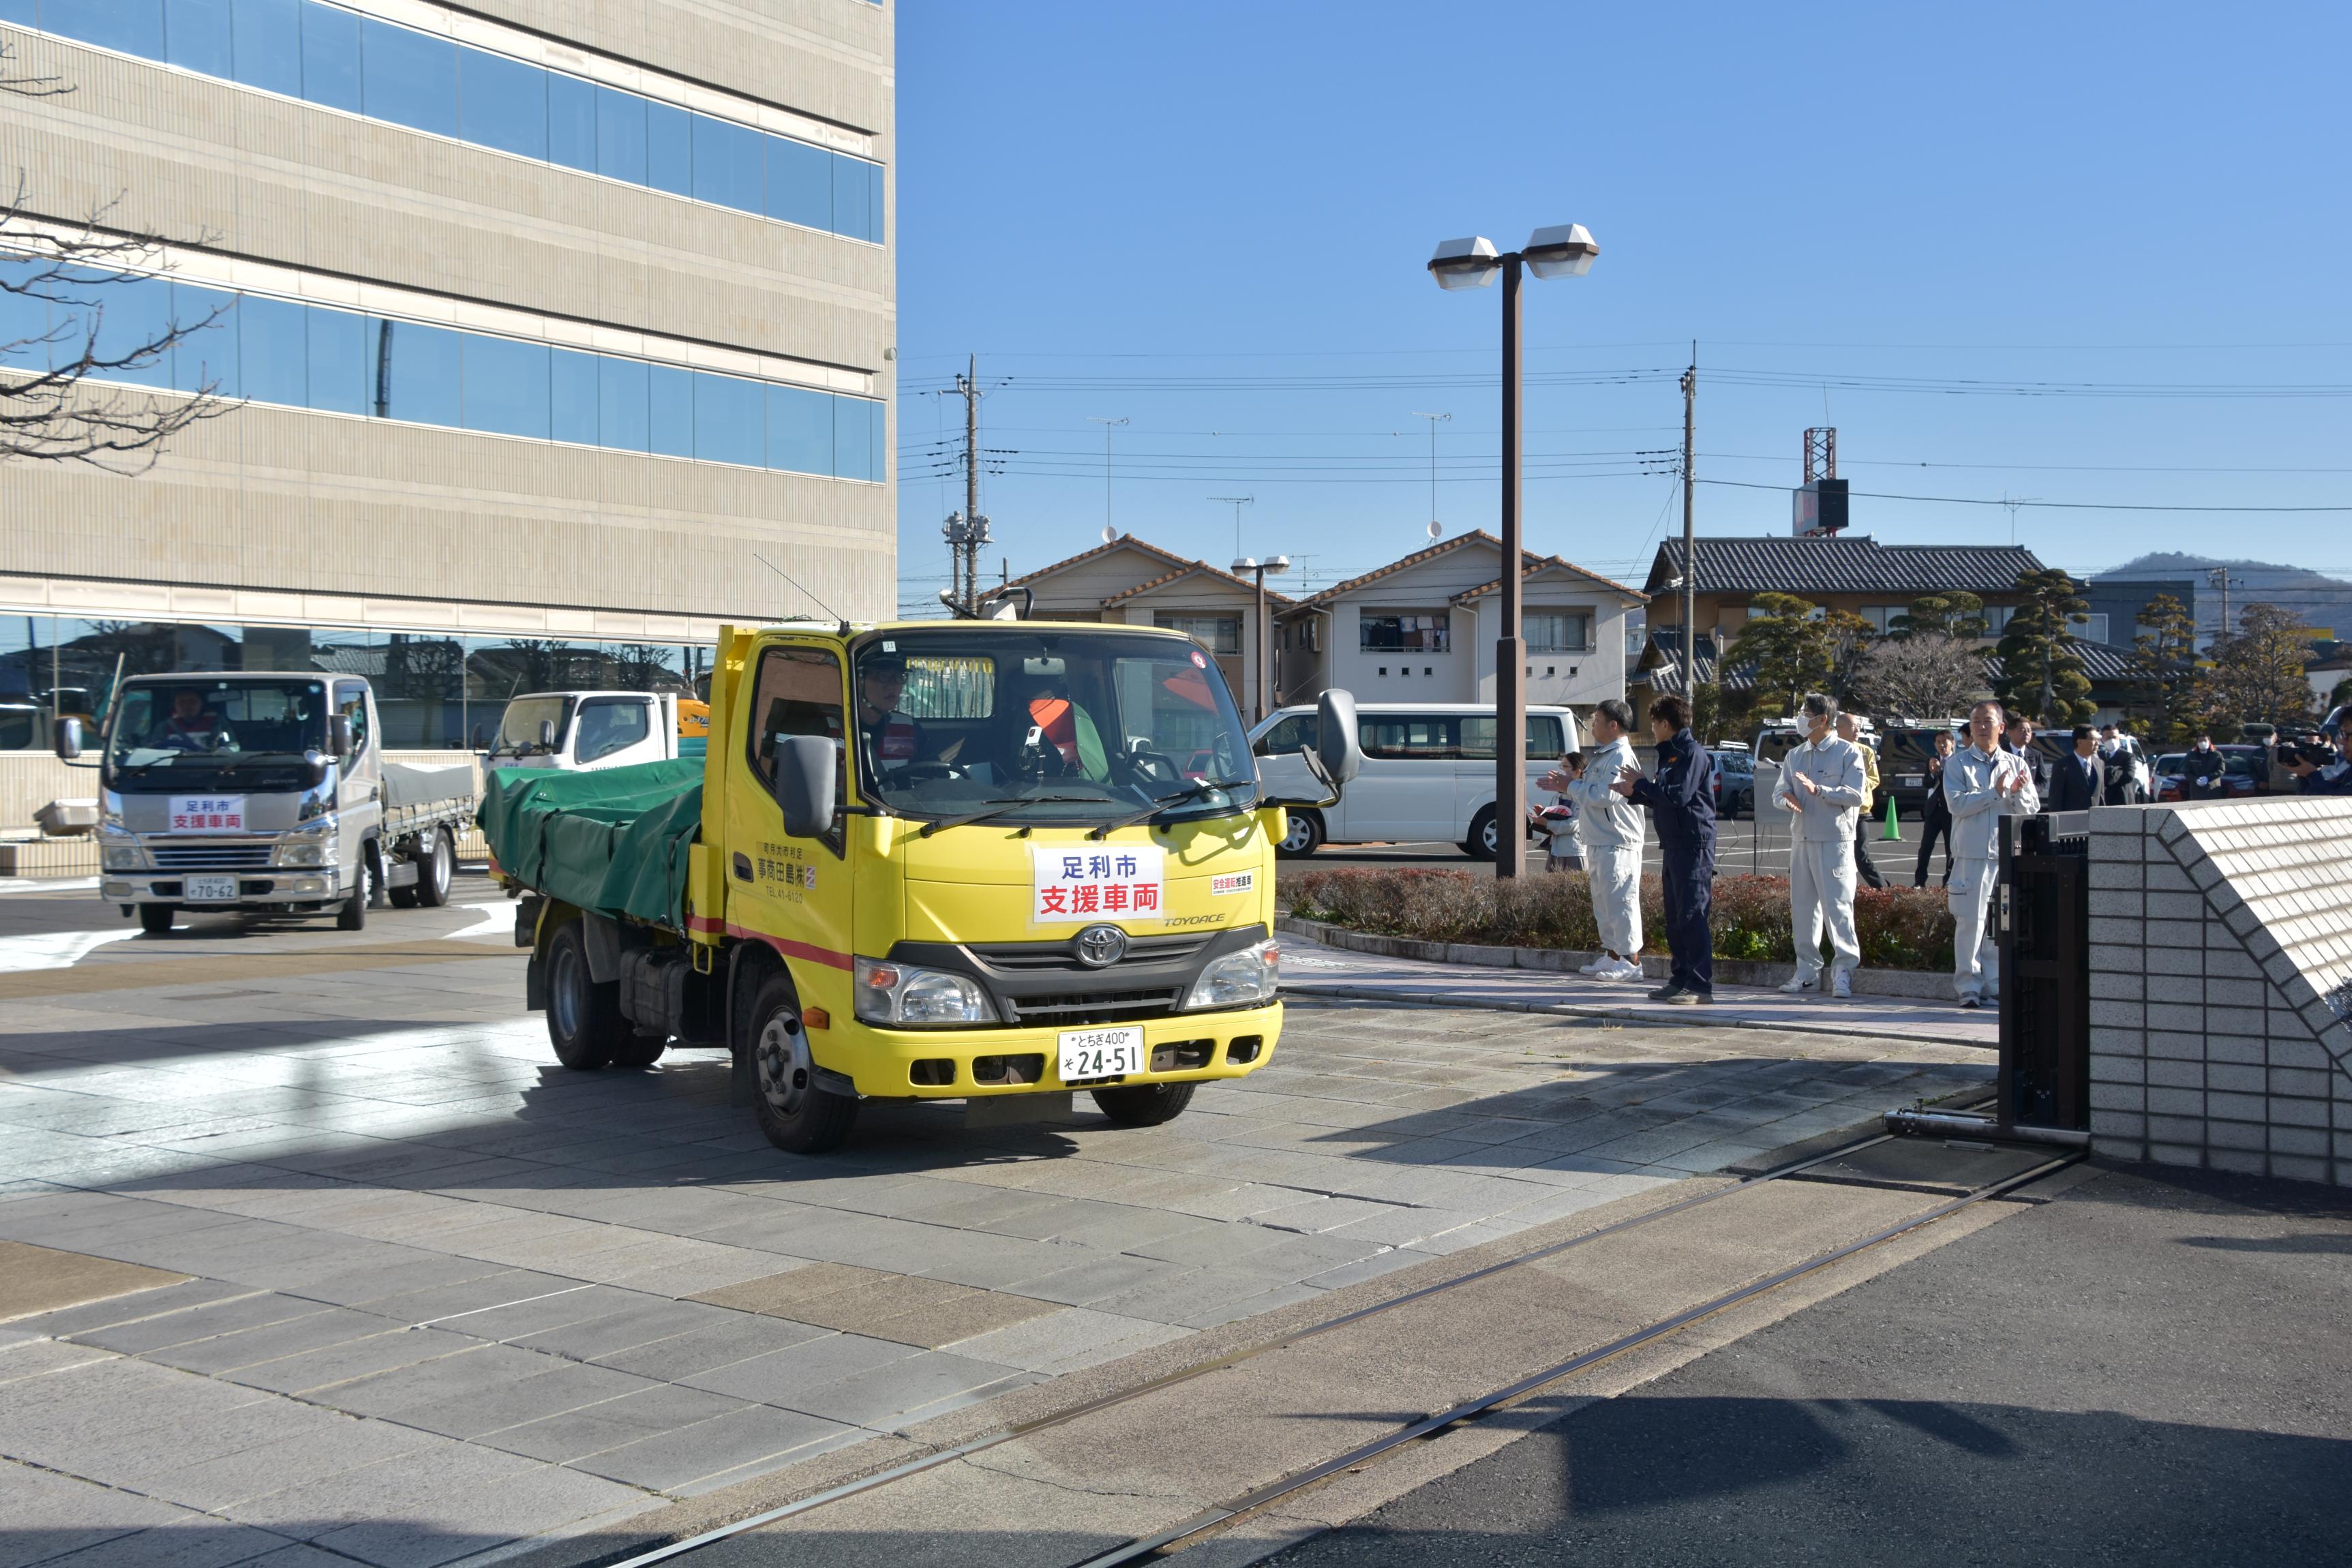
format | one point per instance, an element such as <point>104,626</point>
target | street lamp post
<point>1565,250</point>
<point>1264,638</point>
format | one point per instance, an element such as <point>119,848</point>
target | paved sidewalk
<point>440,1294</point>
<point>1311,969</point>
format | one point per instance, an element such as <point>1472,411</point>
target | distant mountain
<point>2256,573</point>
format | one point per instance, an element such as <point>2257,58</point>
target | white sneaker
<point>1801,983</point>
<point>1841,988</point>
<point>1599,962</point>
<point>1625,969</point>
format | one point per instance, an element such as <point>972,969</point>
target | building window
<point>325,54</point>
<point>1557,631</point>
<point>2092,627</point>
<point>1218,634</point>
<point>1412,631</point>
<point>264,349</point>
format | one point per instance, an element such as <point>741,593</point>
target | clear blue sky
<point>1210,219</point>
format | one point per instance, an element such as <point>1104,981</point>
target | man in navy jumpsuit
<point>1680,799</point>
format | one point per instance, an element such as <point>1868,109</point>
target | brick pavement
<point>440,1294</point>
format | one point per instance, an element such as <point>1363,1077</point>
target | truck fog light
<point>1241,979</point>
<point>115,892</point>
<point>307,885</point>
<point>912,997</point>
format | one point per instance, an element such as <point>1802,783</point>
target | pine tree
<point>2167,651</point>
<point>1952,615</point>
<point>1795,649</point>
<point>2039,674</point>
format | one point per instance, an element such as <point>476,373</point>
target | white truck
<point>266,792</point>
<point>584,730</point>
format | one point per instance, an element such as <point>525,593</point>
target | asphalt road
<point>2154,1369</point>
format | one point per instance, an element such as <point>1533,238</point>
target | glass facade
<point>325,54</point>
<point>434,690</point>
<point>301,355</point>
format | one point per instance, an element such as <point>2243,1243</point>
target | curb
<point>1902,984</point>
<point>1662,1017</point>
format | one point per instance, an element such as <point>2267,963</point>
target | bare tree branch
<point>14,79</point>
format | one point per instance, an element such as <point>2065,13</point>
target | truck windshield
<point>519,728</point>
<point>1047,725</point>
<point>197,731</point>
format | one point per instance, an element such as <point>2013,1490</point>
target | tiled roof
<point>1661,666</point>
<point>1443,547</point>
<point>2103,662</point>
<point>1536,564</point>
<point>1858,565</point>
<point>1182,567</point>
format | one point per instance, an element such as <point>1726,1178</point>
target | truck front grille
<point>1055,957</point>
<point>1105,1007</point>
<point>210,856</point>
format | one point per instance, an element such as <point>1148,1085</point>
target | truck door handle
<point>743,867</point>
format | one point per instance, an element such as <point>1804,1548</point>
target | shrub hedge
<point>1899,928</point>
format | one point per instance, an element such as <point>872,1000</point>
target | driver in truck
<point>889,739</point>
<point>191,726</point>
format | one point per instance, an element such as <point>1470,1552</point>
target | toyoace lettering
<point>946,860</point>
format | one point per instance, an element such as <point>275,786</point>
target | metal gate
<point>2046,958</point>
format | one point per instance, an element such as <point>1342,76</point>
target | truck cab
<point>264,792</point>
<point>964,860</point>
<point>580,730</point>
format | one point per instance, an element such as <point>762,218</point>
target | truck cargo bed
<point>614,841</point>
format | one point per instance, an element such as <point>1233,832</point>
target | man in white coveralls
<point>1611,829</point>
<point>1982,784</point>
<point>1822,785</point>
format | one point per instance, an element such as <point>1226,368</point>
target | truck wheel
<point>1303,834</point>
<point>352,913</point>
<point>156,919</point>
<point>1145,1105</point>
<point>438,864</point>
<point>1481,845</point>
<point>794,1113</point>
<point>639,1051</point>
<point>584,1018</point>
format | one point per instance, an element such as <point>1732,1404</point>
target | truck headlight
<point>1239,979</point>
<point>120,851</point>
<point>313,845</point>
<point>915,998</point>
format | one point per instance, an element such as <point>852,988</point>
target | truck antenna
<point>795,582</point>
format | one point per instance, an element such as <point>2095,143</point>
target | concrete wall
<point>2221,985</point>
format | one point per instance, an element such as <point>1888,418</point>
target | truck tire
<point>156,919</point>
<point>639,1051</point>
<point>352,913</point>
<point>584,1018</point>
<point>1144,1104</point>
<point>1302,837</point>
<point>434,865</point>
<point>1481,844</point>
<point>794,1113</point>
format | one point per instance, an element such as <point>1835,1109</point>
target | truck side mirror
<point>66,738</point>
<point>1336,746</point>
<point>547,733</point>
<point>339,734</point>
<point>804,784</point>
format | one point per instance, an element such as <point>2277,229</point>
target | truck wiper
<point>1196,788</point>
<point>1000,806</point>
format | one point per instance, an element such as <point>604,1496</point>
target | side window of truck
<point>610,724</point>
<point>798,692</point>
<point>351,702</point>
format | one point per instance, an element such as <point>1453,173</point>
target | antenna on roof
<point>1436,529</point>
<point>1110,534</point>
<point>796,583</point>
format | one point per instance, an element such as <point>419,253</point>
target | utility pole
<point>1109,426</point>
<point>2219,577</point>
<point>967,531</point>
<point>1690,533</point>
<point>1434,421</point>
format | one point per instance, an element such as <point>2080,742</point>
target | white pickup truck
<point>584,730</point>
<point>267,792</point>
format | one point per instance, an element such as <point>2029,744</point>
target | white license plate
<point>1913,780</point>
<point>1101,1053</point>
<point>208,889</point>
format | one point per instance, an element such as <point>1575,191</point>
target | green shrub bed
<point>1899,928</point>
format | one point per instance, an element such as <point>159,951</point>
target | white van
<point>1429,773</point>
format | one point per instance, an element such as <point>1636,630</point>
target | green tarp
<point>613,840</point>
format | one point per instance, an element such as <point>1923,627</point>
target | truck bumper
<point>271,888</point>
<point>966,1064</point>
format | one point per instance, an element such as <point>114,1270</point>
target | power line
<point>2046,505</point>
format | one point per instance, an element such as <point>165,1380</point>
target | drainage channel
<point>1228,1514</point>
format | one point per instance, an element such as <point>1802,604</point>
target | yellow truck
<point>934,860</point>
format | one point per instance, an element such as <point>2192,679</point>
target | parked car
<point>1735,783</point>
<point>1428,773</point>
<point>1904,752</point>
<point>2237,773</point>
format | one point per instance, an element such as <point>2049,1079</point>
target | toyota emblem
<point>1100,947</point>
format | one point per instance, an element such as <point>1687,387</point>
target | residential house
<point>1842,571</point>
<point>1133,583</point>
<point>1424,629</point>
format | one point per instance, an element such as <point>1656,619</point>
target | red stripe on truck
<point>789,949</point>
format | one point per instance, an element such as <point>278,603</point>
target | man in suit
<point>1938,821</point>
<point>2204,774</point>
<point>2079,782</point>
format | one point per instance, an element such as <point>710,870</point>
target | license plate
<point>1101,1053</point>
<point>1913,780</point>
<point>208,889</point>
